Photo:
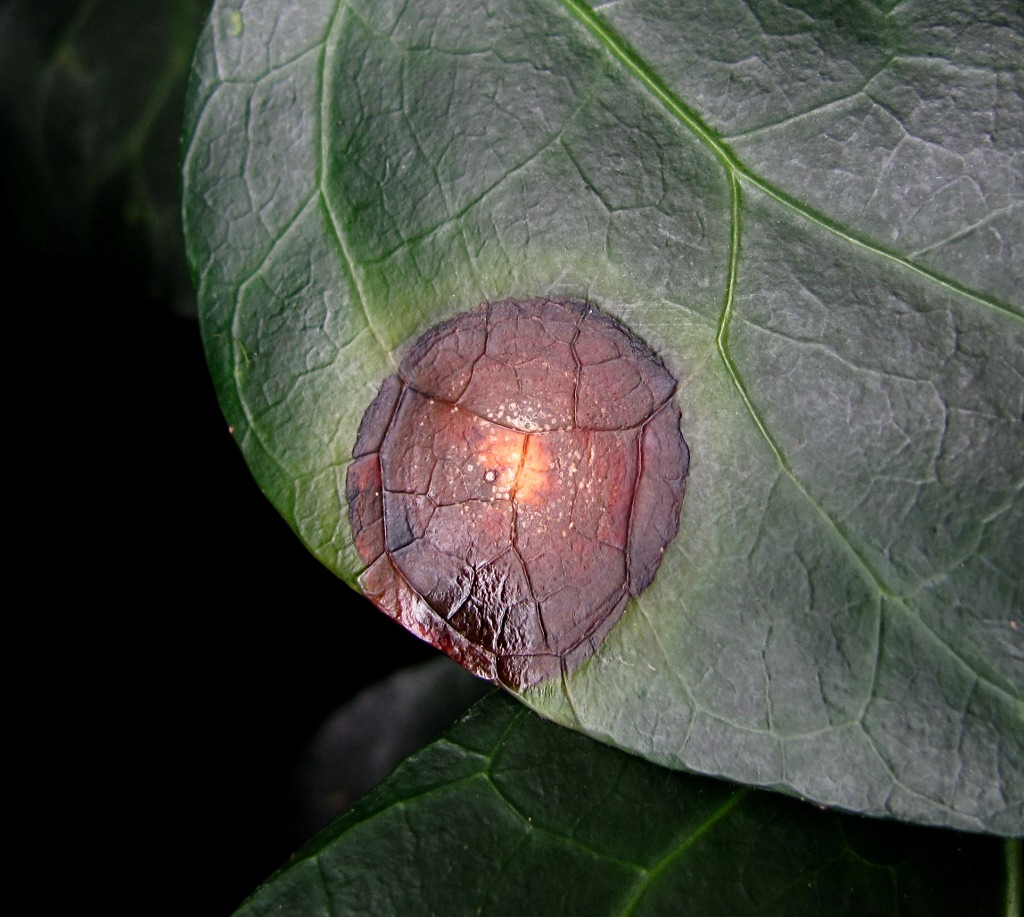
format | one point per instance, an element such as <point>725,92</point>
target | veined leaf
<point>812,215</point>
<point>508,812</point>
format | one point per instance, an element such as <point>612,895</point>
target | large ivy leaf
<point>813,215</point>
<point>508,812</point>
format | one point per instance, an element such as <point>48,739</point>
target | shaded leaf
<point>508,811</point>
<point>368,736</point>
<point>91,97</point>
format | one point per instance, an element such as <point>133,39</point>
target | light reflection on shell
<point>515,483</point>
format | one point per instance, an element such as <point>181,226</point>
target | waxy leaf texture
<point>813,215</point>
<point>507,812</point>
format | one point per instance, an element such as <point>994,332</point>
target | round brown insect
<point>515,482</point>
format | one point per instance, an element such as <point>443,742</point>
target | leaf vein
<point>333,220</point>
<point>735,170</point>
<point>680,845</point>
<point>734,166</point>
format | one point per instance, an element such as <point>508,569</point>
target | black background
<point>263,642</point>
<point>175,645</point>
<point>201,644</point>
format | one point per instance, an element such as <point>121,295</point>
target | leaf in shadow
<point>508,811</point>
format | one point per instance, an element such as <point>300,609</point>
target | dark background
<point>249,644</point>
<point>189,646</point>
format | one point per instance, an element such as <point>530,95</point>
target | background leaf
<point>508,811</point>
<point>91,98</point>
<point>812,215</point>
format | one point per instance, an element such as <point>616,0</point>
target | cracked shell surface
<point>515,482</point>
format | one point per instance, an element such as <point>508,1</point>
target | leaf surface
<point>508,811</point>
<point>813,216</point>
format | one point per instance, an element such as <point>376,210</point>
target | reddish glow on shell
<point>515,483</point>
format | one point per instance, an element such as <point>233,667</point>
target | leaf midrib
<point>736,170</point>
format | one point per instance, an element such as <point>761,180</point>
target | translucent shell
<point>515,482</point>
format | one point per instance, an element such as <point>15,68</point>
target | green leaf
<point>508,812</point>
<point>813,216</point>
